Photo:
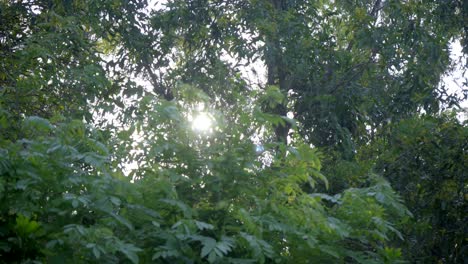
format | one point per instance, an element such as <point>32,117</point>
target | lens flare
<point>202,122</point>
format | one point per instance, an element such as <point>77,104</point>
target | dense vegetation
<point>333,137</point>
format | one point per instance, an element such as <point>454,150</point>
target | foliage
<point>425,160</point>
<point>99,162</point>
<point>62,201</point>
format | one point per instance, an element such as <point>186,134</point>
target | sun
<point>202,122</point>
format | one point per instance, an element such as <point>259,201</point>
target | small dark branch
<point>377,7</point>
<point>357,69</point>
<point>375,11</point>
<point>158,88</point>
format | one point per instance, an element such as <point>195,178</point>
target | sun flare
<point>202,122</point>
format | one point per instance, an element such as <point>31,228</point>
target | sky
<point>455,79</point>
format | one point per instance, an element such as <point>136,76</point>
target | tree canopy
<point>235,131</point>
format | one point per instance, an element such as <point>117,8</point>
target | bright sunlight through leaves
<point>202,122</point>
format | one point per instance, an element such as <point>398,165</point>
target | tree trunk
<point>277,75</point>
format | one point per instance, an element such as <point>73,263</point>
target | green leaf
<point>122,220</point>
<point>208,246</point>
<point>38,124</point>
<point>187,211</point>
<point>96,252</point>
<point>203,225</point>
<point>259,247</point>
<point>130,251</point>
<point>24,226</point>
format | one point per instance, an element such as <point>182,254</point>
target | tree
<point>341,66</point>
<point>211,196</point>
<point>424,161</point>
